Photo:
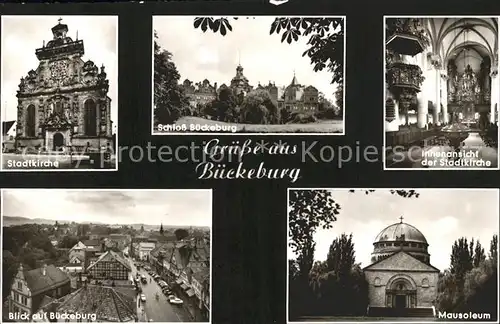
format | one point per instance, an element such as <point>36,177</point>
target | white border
<point>116,18</point>
<point>252,134</point>
<point>384,90</point>
<point>378,322</point>
<point>122,190</point>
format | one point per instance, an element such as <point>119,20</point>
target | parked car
<point>166,291</point>
<point>143,297</point>
<point>174,300</point>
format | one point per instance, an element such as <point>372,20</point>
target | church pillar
<point>444,96</point>
<point>422,100</point>
<point>437,90</point>
<point>494,94</point>
<point>46,142</point>
<point>422,109</point>
<point>98,117</point>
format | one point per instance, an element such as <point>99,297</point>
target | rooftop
<point>110,304</point>
<point>38,281</point>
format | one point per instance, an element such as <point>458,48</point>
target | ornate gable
<point>401,261</point>
<point>57,121</point>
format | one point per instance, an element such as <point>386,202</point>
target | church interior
<point>442,92</point>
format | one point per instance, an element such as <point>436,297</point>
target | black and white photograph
<point>441,93</point>
<point>392,255</point>
<point>97,258</point>
<point>59,93</point>
<point>248,75</point>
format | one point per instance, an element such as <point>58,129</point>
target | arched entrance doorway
<point>401,293</point>
<point>58,142</point>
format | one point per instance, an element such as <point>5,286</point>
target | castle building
<point>239,83</point>
<point>199,93</point>
<point>401,280</point>
<point>63,103</point>
<point>294,97</point>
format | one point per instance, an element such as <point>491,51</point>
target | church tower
<point>63,103</point>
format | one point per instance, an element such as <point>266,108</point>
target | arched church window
<point>30,121</point>
<point>425,282</point>
<point>90,117</point>
<point>376,282</point>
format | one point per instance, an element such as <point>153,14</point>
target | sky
<point>442,216</point>
<point>264,58</point>
<point>170,207</point>
<point>22,35</point>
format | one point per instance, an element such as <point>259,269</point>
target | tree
<point>225,106</point>
<point>479,255</point>
<point>494,250</point>
<point>340,257</point>
<point>305,259</point>
<point>68,242</point>
<point>169,99</point>
<point>308,211</point>
<point>326,38</point>
<point>339,98</point>
<point>461,258</point>
<point>339,285</point>
<point>259,108</point>
<point>181,234</point>
<point>161,229</point>
<point>10,265</point>
<point>449,291</point>
<point>142,228</point>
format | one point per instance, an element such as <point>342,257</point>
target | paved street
<point>159,310</point>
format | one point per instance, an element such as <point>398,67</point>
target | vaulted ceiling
<point>464,40</point>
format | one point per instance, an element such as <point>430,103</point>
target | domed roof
<point>401,232</point>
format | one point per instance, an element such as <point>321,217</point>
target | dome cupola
<point>400,237</point>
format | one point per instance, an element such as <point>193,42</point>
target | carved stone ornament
<point>57,121</point>
<point>390,111</point>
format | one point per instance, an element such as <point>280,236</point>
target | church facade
<point>401,279</point>
<point>63,104</point>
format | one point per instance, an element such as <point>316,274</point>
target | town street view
<point>97,258</point>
